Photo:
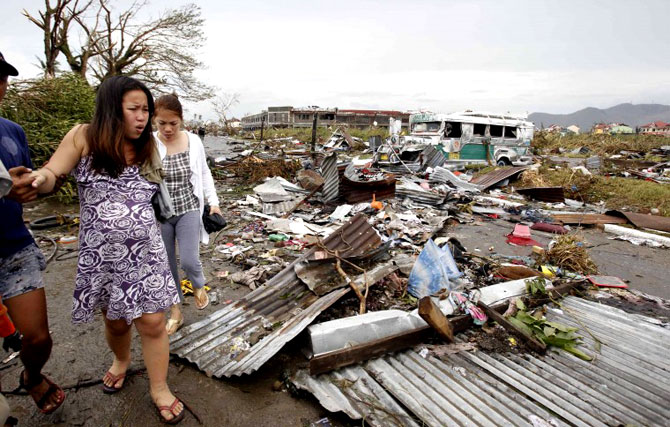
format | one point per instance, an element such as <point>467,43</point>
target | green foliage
<point>551,333</point>
<point>47,109</point>
<point>617,192</point>
<point>536,286</point>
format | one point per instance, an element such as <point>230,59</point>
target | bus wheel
<point>503,161</point>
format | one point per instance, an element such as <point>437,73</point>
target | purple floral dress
<point>123,266</point>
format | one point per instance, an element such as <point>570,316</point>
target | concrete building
<point>656,128</point>
<point>294,117</point>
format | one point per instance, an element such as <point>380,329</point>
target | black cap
<point>6,68</point>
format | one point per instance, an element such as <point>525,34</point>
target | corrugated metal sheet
<point>412,190</point>
<point>444,175</point>
<point>241,337</point>
<point>627,383</point>
<point>492,178</point>
<point>432,157</point>
<point>331,178</point>
<point>400,169</point>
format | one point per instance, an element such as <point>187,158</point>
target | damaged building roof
<point>628,382</point>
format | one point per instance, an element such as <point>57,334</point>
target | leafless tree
<point>222,104</point>
<point>160,52</point>
<point>55,22</point>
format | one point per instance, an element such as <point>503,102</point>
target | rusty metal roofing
<point>357,192</point>
<point>241,337</point>
<point>654,222</point>
<point>492,178</point>
<point>627,383</point>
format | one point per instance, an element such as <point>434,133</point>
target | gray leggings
<point>184,229</point>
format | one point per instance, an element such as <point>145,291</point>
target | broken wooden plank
<point>532,342</point>
<point>587,219</point>
<point>431,313</point>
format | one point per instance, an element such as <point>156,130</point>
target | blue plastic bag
<point>432,271</point>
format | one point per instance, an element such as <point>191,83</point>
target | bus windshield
<point>427,127</point>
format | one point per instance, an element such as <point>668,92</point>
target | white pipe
<point>630,232</point>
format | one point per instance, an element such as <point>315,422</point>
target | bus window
<point>511,132</point>
<point>479,129</point>
<point>427,127</point>
<point>496,131</point>
<point>452,130</point>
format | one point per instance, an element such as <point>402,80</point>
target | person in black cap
<point>21,263</point>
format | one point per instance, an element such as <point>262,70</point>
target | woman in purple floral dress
<point>123,268</point>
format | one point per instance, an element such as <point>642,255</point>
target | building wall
<point>303,117</point>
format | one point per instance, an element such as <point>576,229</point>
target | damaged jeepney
<point>463,138</point>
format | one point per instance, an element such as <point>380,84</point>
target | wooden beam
<point>431,313</point>
<point>529,339</point>
<point>313,192</point>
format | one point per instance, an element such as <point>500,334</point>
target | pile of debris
<point>405,325</point>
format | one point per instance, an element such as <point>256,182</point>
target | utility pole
<point>314,138</point>
<point>262,126</point>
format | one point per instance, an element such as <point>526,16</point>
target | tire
<point>503,161</point>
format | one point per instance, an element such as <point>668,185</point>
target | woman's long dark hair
<point>106,132</point>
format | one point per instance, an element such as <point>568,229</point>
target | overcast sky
<point>516,56</point>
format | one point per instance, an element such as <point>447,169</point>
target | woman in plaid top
<point>190,184</point>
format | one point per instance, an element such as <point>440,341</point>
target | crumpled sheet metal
<point>443,175</point>
<point>239,338</point>
<point>490,179</point>
<point>627,383</point>
<point>432,157</point>
<point>406,188</point>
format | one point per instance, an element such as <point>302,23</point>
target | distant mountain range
<point>630,114</point>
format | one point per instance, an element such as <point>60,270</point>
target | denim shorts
<point>21,272</point>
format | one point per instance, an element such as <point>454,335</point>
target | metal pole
<point>314,137</point>
<point>262,126</point>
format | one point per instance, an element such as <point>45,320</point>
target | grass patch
<point>617,193</point>
<point>254,169</point>
<point>598,144</point>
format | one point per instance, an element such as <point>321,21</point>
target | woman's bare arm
<point>64,159</point>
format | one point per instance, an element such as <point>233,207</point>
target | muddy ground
<point>81,354</point>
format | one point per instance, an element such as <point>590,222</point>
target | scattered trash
<point>434,269</point>
<point>520,236</point>
<point>569,253</point>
